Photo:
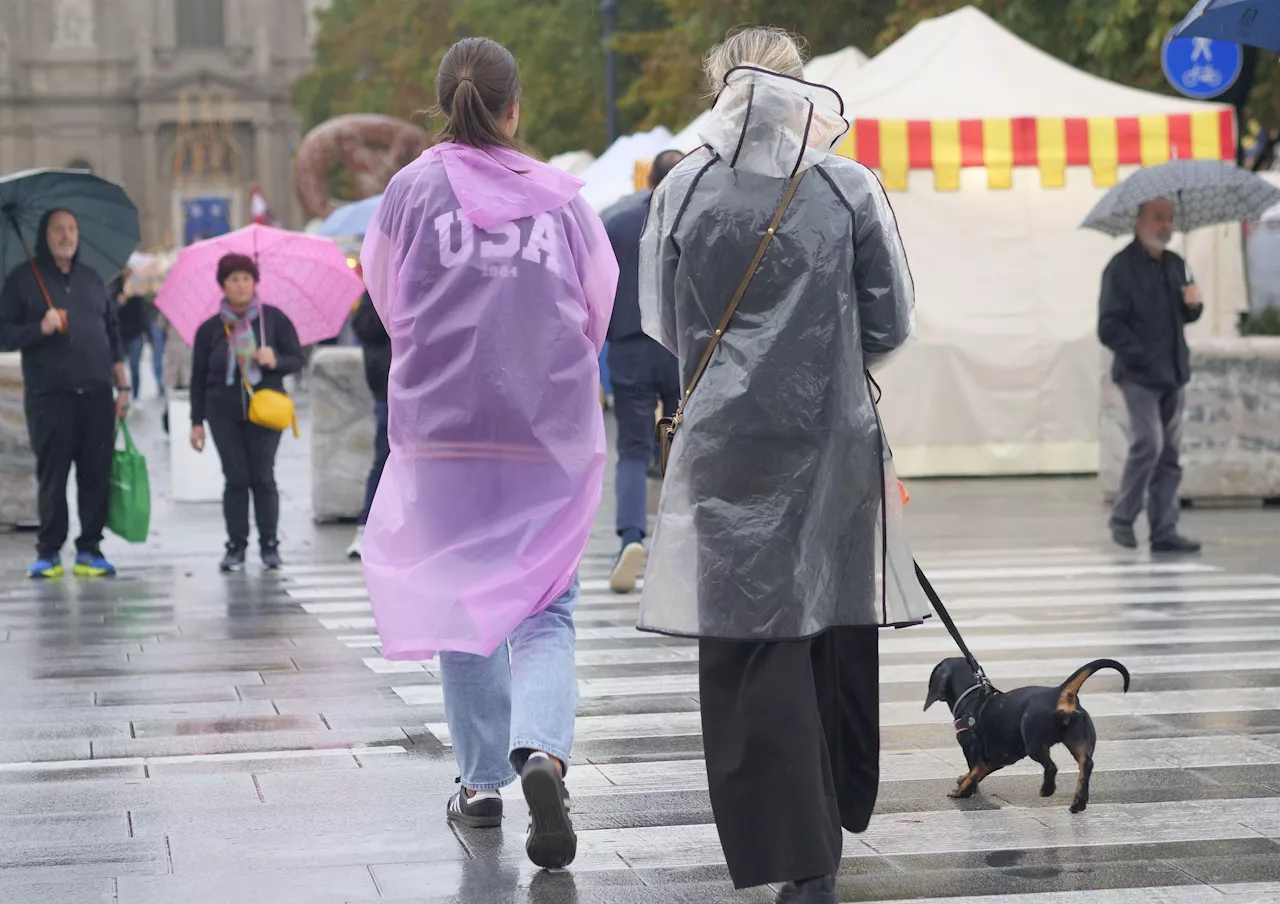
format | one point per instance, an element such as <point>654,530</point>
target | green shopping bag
<point>129,501</point>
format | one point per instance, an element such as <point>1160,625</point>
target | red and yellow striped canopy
<point>1102,143</point>
<point>1051,144</point>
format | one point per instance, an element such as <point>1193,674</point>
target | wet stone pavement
<point>174,735</point>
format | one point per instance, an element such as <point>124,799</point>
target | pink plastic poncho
<point>495,281</point>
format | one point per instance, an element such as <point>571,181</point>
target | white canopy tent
<point>613,175</point>
<point>836,70</point>
<point>994,152</point>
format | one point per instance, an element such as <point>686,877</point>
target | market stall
<point>993,152</point>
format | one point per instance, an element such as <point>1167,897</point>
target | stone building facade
<point>184,102</point>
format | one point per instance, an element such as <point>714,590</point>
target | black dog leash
<point>978,673</point>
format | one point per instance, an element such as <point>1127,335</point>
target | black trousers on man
<point>248,455</point>
<point>791,731</point>
<point>69,428</point>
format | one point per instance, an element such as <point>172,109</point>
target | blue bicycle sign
<point>1201,67</point>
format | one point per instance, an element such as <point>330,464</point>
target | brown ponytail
<point>478,81</point>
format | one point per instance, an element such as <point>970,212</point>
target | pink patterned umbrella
<point>305,276</point>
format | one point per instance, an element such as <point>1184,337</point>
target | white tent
<point>836,70</point>
<point>573,162</point>
<point>613,175</point>
<point>994,152</point>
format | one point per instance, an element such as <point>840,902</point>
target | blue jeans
<point>133,349</point>
<point>519,700</point>
<point>381,449</point>
<point>644,374</point>
<point>157,352</point>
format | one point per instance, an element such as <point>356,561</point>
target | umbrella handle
<point>31,260</point>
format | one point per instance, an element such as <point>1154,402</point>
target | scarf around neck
<point>242,345</point>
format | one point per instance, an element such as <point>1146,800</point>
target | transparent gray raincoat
<point>771,524</point>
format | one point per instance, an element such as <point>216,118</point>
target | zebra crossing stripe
<point>634,726</point>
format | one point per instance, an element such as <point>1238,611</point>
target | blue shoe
<point>45,569</point>
<point>93,565</point>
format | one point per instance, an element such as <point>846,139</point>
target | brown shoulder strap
<point>790,193</point>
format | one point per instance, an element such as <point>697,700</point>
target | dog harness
<point>972,721</point>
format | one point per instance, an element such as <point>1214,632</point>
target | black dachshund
<point>996,729</point>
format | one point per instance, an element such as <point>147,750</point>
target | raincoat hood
<point>772,124</point>
<point>496,186</point>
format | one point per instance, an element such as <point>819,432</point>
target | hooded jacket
<point>495,282</point>
<point>81,359</point>
<point>775,520</point>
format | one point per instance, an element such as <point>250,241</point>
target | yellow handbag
<point>271,409</point>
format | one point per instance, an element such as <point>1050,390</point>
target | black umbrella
<point>108,220</point>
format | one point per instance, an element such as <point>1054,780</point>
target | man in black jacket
<point>1147,299</point>
<point>643,374</point>
<point>59,315</point>
<point>377,370</point>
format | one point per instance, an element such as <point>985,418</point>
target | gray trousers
<point>1151,473</point>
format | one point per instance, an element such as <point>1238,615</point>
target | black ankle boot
<point>821,890</point>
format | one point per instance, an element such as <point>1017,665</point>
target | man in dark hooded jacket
<point>59,315</point>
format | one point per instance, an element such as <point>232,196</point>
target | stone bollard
<point>17,462</point>
<point>342,426</point>
<point>1230,429</point>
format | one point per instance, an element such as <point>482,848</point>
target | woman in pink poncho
<point>495,281</point>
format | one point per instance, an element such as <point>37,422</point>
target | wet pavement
<point>174,735</point>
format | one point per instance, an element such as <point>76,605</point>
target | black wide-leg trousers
<point>791,731</point>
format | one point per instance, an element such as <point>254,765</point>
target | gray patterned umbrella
<point>1205,192</point>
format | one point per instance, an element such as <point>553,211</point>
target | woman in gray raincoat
<point>771,545</point>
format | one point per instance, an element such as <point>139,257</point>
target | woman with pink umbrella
<point>308,291</point>
<point>246,347</point>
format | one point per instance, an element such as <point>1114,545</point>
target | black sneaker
<point>1177,544</point>
<point>483,811</point>
<point>232,561</point>
<point>551,842</point>
<point>271,558</point>
<point>821,890</point>
<point>1124,536</point>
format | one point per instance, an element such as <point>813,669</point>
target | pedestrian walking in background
<point>1147,300</point>
<point>135,328</point>
<point>158,335</point>
<point>246,344</point>
<point>376,346</point>
<point>71,360</point>
<point>495,281</point>
<point>644,375</point>
<point>777,267</point>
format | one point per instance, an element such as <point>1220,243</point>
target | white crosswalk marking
<point>1191,633</point>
